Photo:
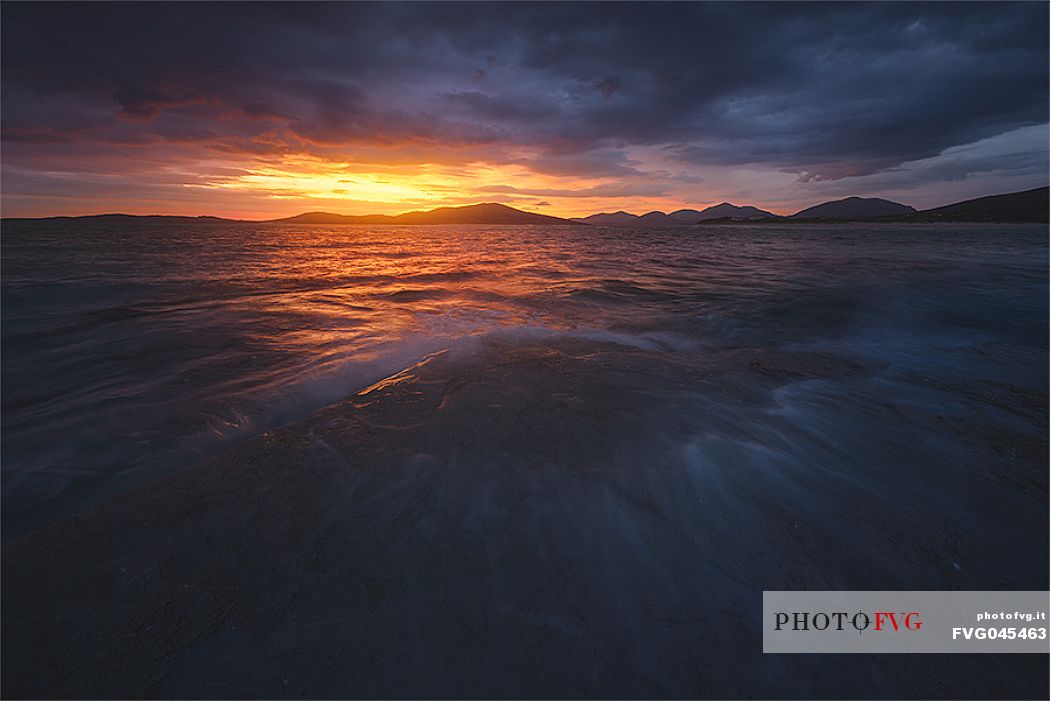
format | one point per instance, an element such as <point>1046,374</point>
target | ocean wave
<point>129,356</point>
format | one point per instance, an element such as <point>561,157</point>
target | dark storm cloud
<point>505,108</point>
<point>824,90</point>
<point>608,86</point>
<point>610,190</point>
<point>143,103</point>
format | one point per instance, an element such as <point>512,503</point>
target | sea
<point>880,388</point>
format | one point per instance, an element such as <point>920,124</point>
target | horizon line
<point>476,204</point>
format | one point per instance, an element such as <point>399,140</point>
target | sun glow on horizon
<point>357,188</point>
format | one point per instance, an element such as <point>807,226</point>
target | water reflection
<point>132,350</point>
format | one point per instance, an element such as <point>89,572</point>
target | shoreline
<point>315,559</point>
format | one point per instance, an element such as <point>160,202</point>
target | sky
<point>270,109</point>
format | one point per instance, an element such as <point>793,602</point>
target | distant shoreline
<point>175,218</point>
<point>1026,207</point>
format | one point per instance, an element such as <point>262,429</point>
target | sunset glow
<point>370,108</point>
<point>294,183</point>
<point>524,350</point>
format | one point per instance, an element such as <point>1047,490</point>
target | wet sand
<point>556,518</point>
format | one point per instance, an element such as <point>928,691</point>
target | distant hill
<point>685,216</point>
<point>658,219</point>
<point>607,219</point>
<point>1027,206</point>
<point>1031,206</point>
<point>628,219</point>
<point>487,213</point>
<point>854,208</point>
<point>677,218</point>
<point>148,218</point>
<point>732,211</point>
<point>1014,207</point>
<point>325,218</point>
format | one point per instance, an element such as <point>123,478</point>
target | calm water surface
<point>131,349</point>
